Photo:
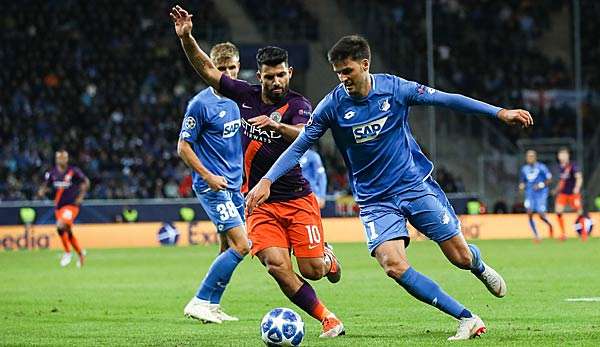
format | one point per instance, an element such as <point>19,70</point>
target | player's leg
<point>315,258</point>
<point>541,208</point>
<point>536,236</point>
<point>224,213</point>
<point>61,229</point>
<point>576,205</point>
<point>279,265</point>
<point>68,218</point>
<point>391,255</point>
<point>559,208</point>
<point>434,216</point>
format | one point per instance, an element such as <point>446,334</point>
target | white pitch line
<point>592,299</point>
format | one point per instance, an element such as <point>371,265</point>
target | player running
<point>70,186</point>
<point>568,192</point>
<point>314,172</point>
<point>210,144</point>
<point>391,178</point>
<point>534,181</point>
<point>272,117</point>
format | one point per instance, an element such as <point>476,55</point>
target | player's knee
<point>395,268</point>
<point>277,269</point>
<point>242,249</point>
<point>312,273</point>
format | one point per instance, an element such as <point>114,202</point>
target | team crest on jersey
<point>276,116</point>
<point>189,123</point>
<point>370,131</point>
<point>231,128</point>
<point>384,105</point>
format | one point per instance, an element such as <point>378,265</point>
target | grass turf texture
<point>136,297</point>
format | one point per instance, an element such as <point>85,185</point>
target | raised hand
<point>516,117</point>
<point>182,20</point>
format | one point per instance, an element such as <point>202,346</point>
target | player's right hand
<point>516,117</point>
<point>182,20</point>
<point>259,194</point>
<point>216,183</point>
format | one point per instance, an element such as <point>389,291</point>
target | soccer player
<point>272,116</point>
<point>70,186</point>
<point>534,181</point>
<point>210,144</point>
<point>314,172</point>
<point>568,192</point>
<point>391,178</point>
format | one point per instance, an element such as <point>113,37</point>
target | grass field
<point>136,297</point>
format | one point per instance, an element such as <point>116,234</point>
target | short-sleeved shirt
<point>262,147</point>
<point>65,184</point>
<point>567,178</point>
<point>211,125</point>
<point>532,175</point>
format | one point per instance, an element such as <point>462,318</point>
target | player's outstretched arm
<point>199,60</point>
<point>185,151</point>
<point>515,117</point>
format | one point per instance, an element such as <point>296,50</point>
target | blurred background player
<point>70,186</point>
<point>210,144</point>
<point>568,192</point>
<point>314,172</point>
<point>272,116</point>
<point>368,116</point>
<point>534,180</point>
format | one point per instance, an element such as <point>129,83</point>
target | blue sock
<point>477,266</point>
<point>426,290</point>
<point>218,276</point>
<point>533,227</point>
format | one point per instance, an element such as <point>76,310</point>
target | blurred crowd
<point>108,81</point>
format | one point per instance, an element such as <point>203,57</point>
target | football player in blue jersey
<point>314,172</point>
<point>533,181</point>
<point>210,144</point>
<point>390,177</point>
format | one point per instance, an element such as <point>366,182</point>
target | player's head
<point>531,156</point>
<point>274,72</point>
<point>351,58</point>
<point>226,58</point>
<point>61,157</point>
<point>563,156</point>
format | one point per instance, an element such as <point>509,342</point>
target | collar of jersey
<point>371,92</point>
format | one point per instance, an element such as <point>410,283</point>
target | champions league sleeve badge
<point>189,123</point>
<point>276,116</point>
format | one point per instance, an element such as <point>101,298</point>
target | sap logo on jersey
<point>230,128</point>
<point>367,132</point>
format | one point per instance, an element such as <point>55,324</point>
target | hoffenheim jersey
<point>211,125</point>
<point>374,136</point>
<point>532,175</point>
<point>314,172</point>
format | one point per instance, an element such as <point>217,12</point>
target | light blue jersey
<point>314,172</point>
<point>536,191</point>
<point>390,175</point>
<point>211,125</point>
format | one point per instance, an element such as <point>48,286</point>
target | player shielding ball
<point>534,180</point>
<point>210,144</point>
<point>272,116</point>
<point>391,178</point>
<point>568,193</point>
<point>70,186</point>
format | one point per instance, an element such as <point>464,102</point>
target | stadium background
<point>108,81</point>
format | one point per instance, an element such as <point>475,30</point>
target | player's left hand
<point>78,200</point>
<point>259,194</point>
<point>516,117</point>
<point>182,21</point>
<point>264,122</point>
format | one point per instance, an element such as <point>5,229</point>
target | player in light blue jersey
<point>390,177</point>
<point>314,172</point>
<point>533,181</point>
<point>210,144</point>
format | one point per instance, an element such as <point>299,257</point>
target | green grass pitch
<point>136,297</point>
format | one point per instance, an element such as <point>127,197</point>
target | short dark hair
<point>354,47</point>
<point>271,56</point>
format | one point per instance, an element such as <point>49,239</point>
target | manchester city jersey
<point>211,125</point>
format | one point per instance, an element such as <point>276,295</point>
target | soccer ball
<point>282,327</point>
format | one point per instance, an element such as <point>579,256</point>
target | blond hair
<point>222,51</point>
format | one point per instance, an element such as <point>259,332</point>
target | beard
<point>274,97</point>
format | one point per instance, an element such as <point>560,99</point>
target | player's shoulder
<point>295,99</point>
